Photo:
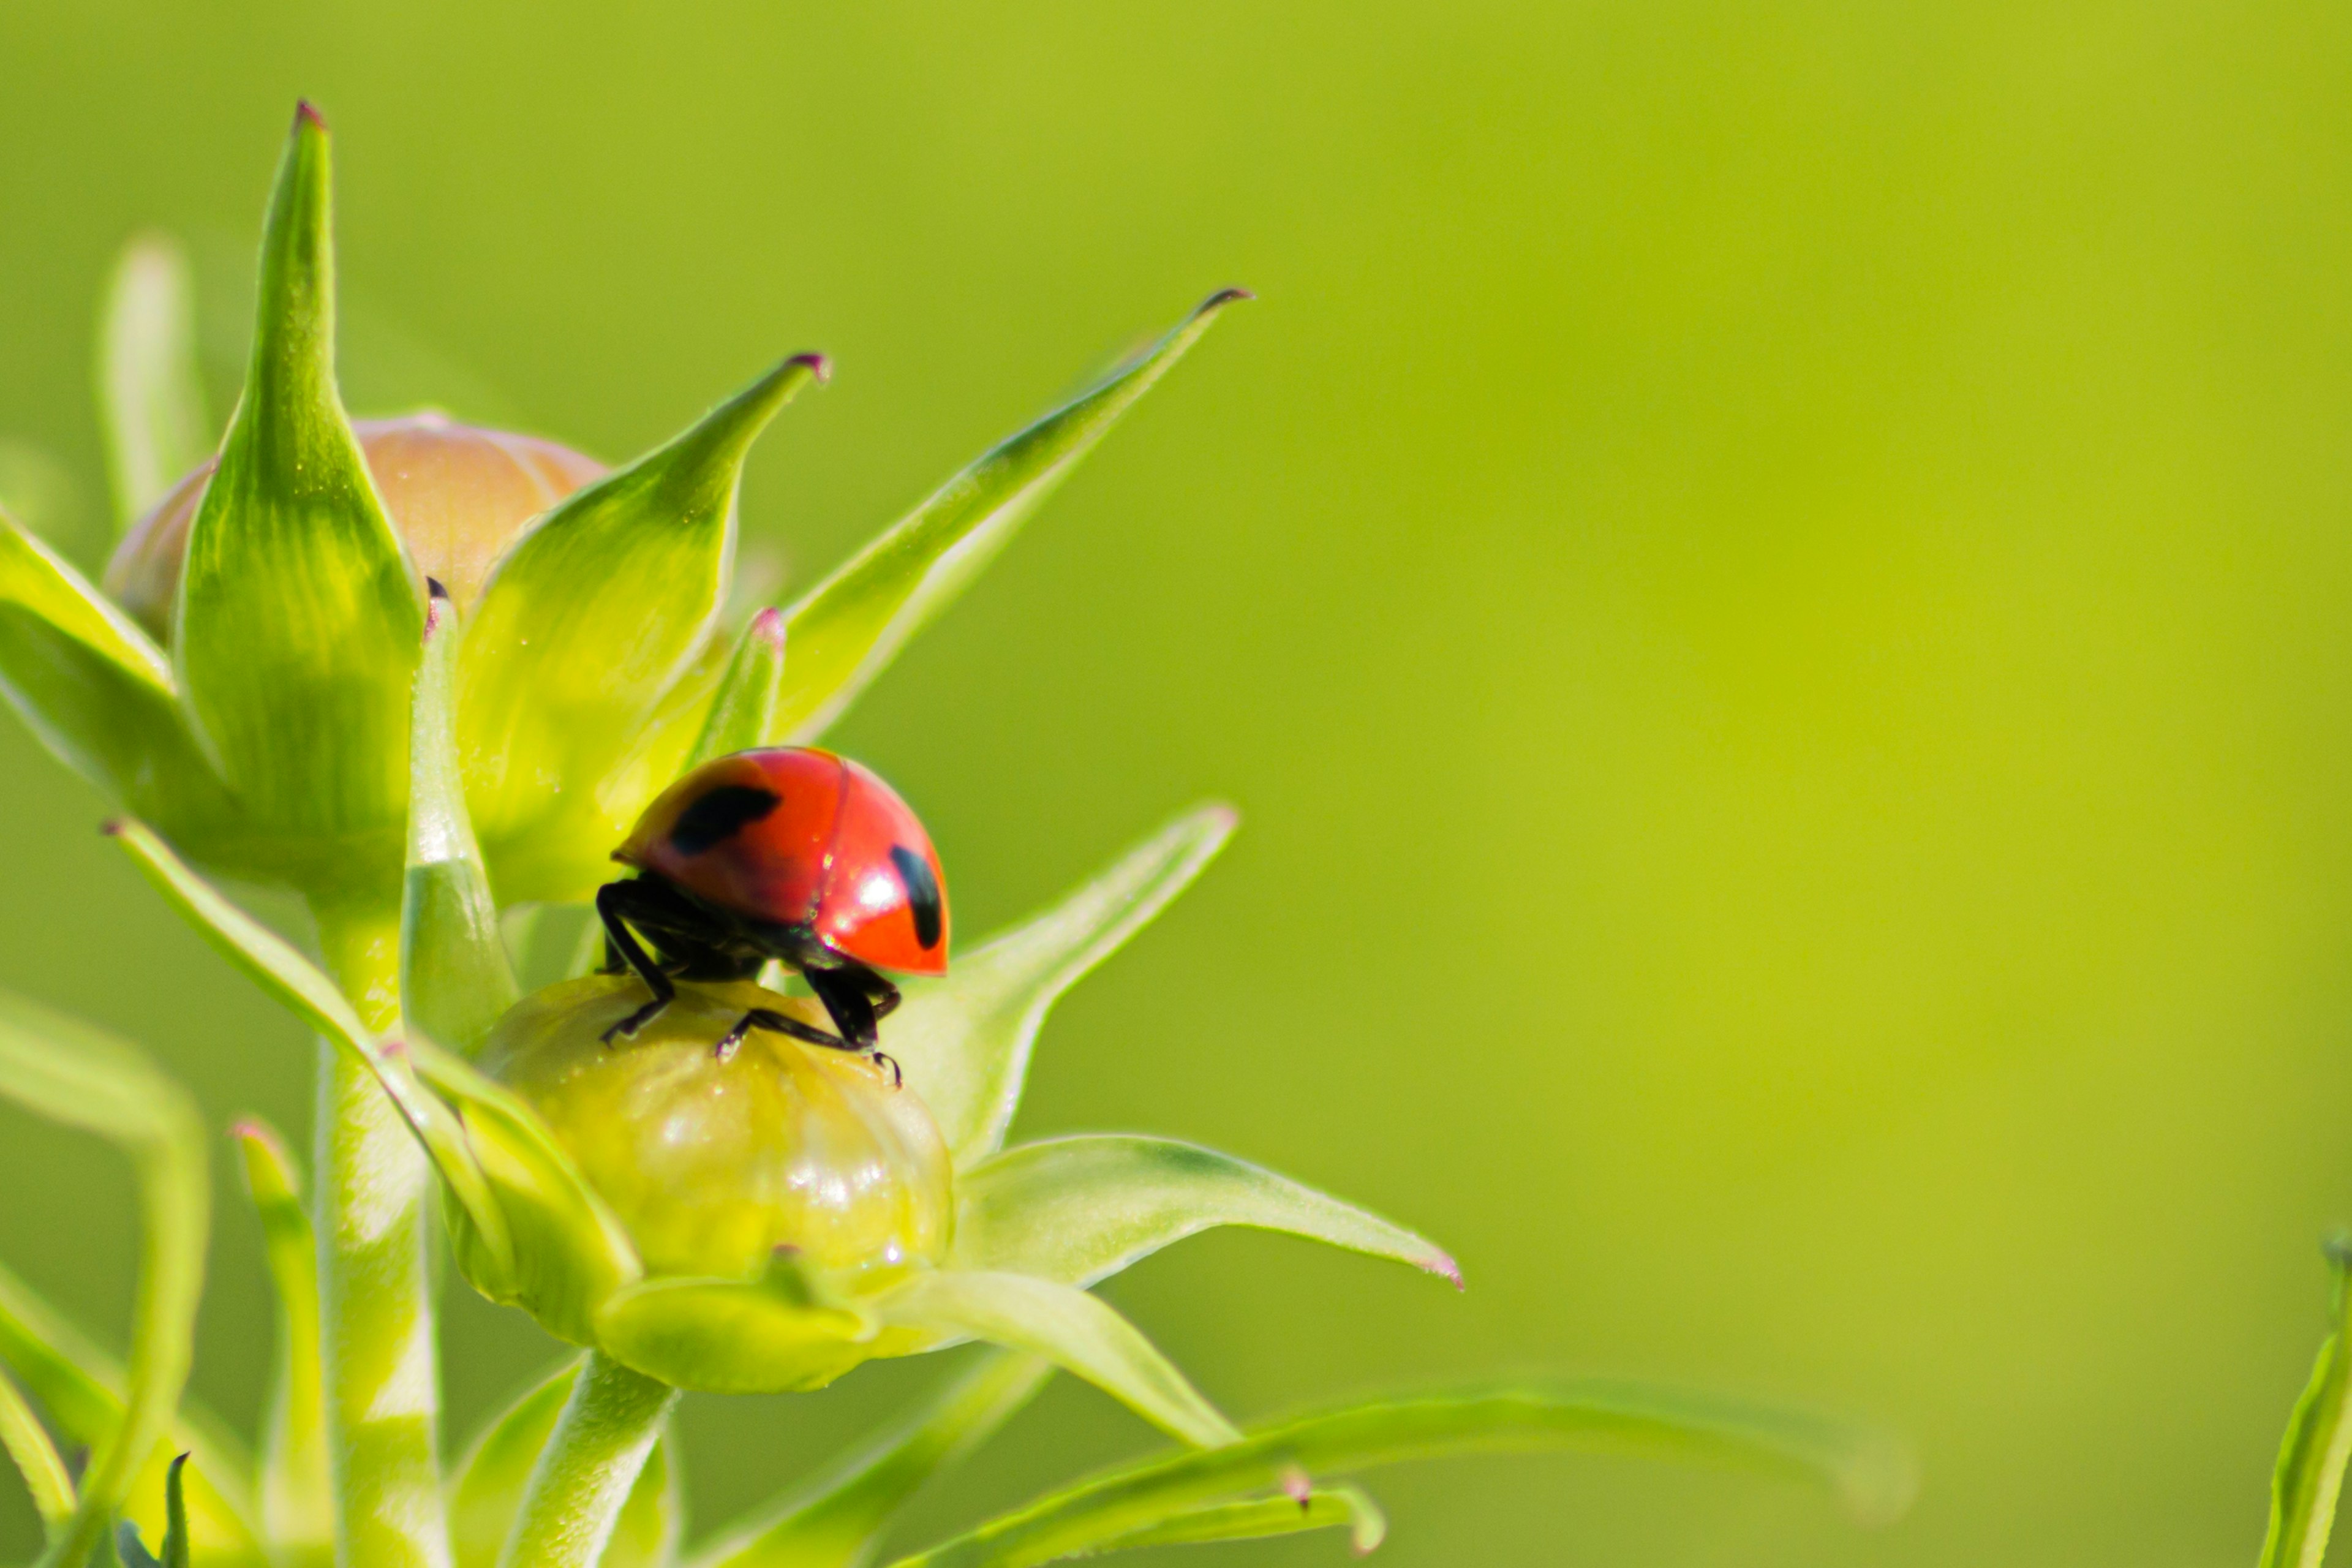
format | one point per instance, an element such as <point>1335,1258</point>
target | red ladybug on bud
<point>788,853</point>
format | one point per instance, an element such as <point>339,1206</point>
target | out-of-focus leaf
<point>94,690</point>
<point>1079,1209</point>
<point>72,1074</point>
<point>1077,1333</point>
<point>1339,1507</point>
<point>455,975</point>
<point>2309,1476</point>
<point>837,1520</point>
<point>536,1236</point>
<point>26,1443</point>
<point>593,614</point>
<point>496,1468</point>
<point>298,1509</point>
<point>1869,1471</point>
<point>742,715</point>
<point>849,627</point>
<point>151,399</point>
<point>965,1041</point>
<point>80,1386</point>
<point>299,620</point>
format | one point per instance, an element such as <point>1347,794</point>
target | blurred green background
<point>1772,580</point>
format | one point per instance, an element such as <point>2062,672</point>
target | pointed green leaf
<point>298,1509</point>
<point>965,1041</point>
<point>94,690</point>
<point>149,397</point>
<point>593,614</point>
<point>298,621</point>
<point>1079,1209</point>
<point>743,713</point>
<point>836,1518</point>
<point>849,627</point>
<point>1869,1471</point>
<point>1339,1508</point>
<point>176,1515</point>
<point>1077,1333</point>
<point>497,1469</point>
<point>2309,1475</point>
<point>26,1443</point>
<point>455,975</point>
<point>784,1332</point>
<point>80,1386</point>
<point>70,1073</point>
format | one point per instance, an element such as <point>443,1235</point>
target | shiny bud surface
<point>711,1164</point>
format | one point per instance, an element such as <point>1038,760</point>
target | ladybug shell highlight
<point>795,836</point>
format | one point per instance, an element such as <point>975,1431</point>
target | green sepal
<point>965,1040</point>
<point>836,1518</point>
<point>784,1333</point>
<point>456,978</point>
<point>1870,1472</point>
<point>590,618</point>
<point>849,627</point>
<point>532,1233</point>
<point>1082,1208</point>
<point>42,1468</point>
<point>2309,1475</point>
<point>151,399</point>
<point>1335,1508</point>
<point>298,619</point>
<point>175,1552</point>
<point>497,1469</point>
<point>1081,1335</point>
<point>296,1500</point>
<point>743,712</point>
<point>100,694</point>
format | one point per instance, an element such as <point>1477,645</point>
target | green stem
<point>377,1330</point>
<point>600,1444</point>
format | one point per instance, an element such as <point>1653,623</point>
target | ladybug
<point>786,852</point>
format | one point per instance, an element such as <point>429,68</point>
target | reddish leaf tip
<point>307,115</point>
<point>819,367</point>
<point>768,626</point>
<point>1223,297</point>
<point>1297,1484</point>
<point>113,826</point>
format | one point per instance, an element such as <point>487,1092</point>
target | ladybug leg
<point>778,1022</point>
<point>844,994</point>
<point>613,902</point>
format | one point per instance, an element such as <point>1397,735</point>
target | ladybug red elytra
<point>788,853</point>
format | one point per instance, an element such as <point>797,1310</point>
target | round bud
<point>457,494</point>
<point>713,1160</point>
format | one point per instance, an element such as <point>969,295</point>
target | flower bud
<point>713,1162</point>
<point>457,493</point>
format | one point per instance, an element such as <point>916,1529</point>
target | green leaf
<point>780,1333</point>
<point>2309,1476</point>
<point>497,1469</point>
<point>836,1518</point>
<point>965,1041</point>
<point>1870,1472</point>
<point>455,977</point>
<point>26,1443</point>
<point>593,614</point>
<point>174,1554</point>
<point>299,620</point>
<point>1337,1508</point>
<point>151,399</point>
<point>73,1075</point>
<point>1079,1209</point>
<point>849,627</point>
<point>94,690</point>
<point>743,713</point>
<point>267,960</point>
<point>298,1509</point>
<point>530,1231</point>
<point>1077,1333</point>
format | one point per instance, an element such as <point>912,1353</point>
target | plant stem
<point>376,1329</point>
<point>592,1459</point>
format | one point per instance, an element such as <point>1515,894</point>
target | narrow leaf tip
<point>307,118</point>
<point>1223,297</point>
<point>768,626</point>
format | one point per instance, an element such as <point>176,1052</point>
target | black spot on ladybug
<point>719,815</point>
<point>923,894</point>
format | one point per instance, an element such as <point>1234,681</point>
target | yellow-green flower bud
<point>458,494</point>
<point>712,1162</point>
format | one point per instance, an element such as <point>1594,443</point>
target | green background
<point>1772,580</point>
